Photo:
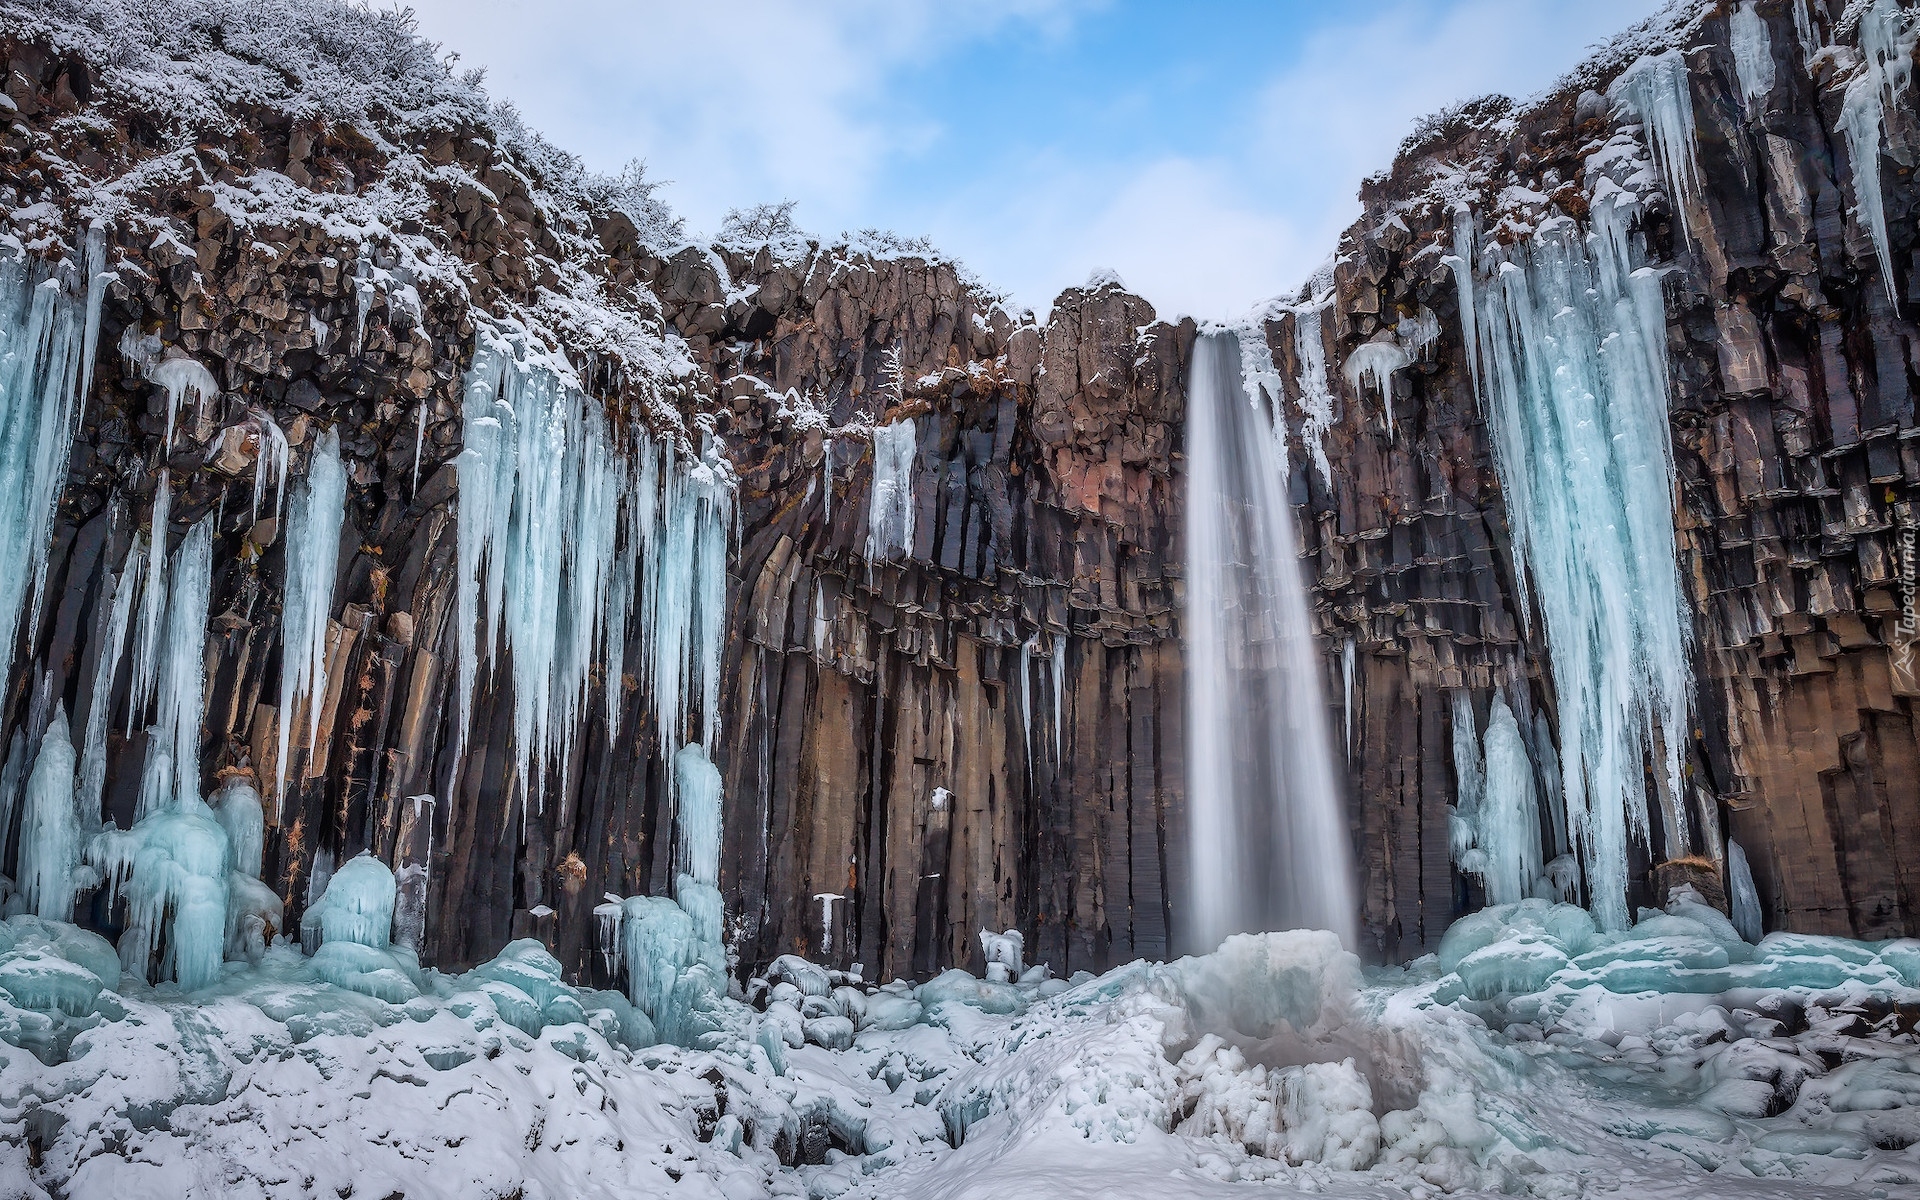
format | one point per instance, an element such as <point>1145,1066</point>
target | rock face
<point>980,728</point>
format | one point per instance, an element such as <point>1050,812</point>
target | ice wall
<point>1752,52</point>
<point>1269,835</point>
<point>564,525</point>
<point>312,541</point>
<point>1573,343</point>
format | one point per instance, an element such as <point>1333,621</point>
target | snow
<point>312,541</point>
<point>890,507</point>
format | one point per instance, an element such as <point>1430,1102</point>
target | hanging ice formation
<point>890,506</point>
<point>1887,35</point>
<point>173,865</point>
<point>49,323</point>
<point>1655,92</point>
<point>1373,365</point>
<point>274,453</point>
<point>1269,844</point>
<point>1494,830</point>
<point>1573,344</point>
<point>1752,52</point>
<point>313,554</point>
<point>1346,684</point>
<point>182,376</point>
<point>93,756</point>
<point>1460,262</point>
<point>1259,374</point>
<point>153,606</point>
<point>562,530</point>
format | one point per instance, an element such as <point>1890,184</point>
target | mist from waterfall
<point>1268,842</point>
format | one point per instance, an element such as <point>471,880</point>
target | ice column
<point>1373,365</point>
<point>890,506</point>
<point>1269,843</point>
<point>51,829</point>
<point>1509,812</point>
<point>49,321</point>
<point>1573,342</point>
<point>313,554</point>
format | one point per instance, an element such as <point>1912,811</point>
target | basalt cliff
<point>904,562</point>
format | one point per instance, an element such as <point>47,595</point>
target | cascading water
<point>1269,844</point>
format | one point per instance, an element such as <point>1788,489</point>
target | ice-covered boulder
<point>957,987</point>
<point>1262,985</point>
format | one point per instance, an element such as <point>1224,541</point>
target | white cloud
<point>758,99</point>
<point>736,101</point>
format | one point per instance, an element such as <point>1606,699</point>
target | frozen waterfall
<point>1269,842</point>
<point>1573,344</point>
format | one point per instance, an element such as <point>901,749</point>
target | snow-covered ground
<point>1533,1055</point>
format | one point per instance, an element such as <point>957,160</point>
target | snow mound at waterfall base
<point>1533,1056</point>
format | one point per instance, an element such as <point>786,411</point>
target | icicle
<point>1655,92</point>
<point>47,335</point>
<point>826,482</point>
<point>274,453</point>
<point>1418,334</point>
<point>1346,676</point>
<point>1573,339</point>
<point>1469,773</point>
<point>1752,52</point>
<point>890,508</point>
<point>1027,650</point>
<point>181,376</point>
<point>51,828</point>
<point>312,542</point>
<point>1059,698</point>
<point>419,442</point>
<point>1461,263</point>
<point>1373,364</point>
<point>1887,35</point>
<point>183,673</point>
<point>113,646</point>
<point>1745,897</point>
<point>1803,27</point>
<point>827,901</point>
<point>153,608</point>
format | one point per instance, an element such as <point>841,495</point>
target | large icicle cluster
<point>49,323</point>
<point>1573,343</point>
<point>313,554</point>
<point>562,530</point>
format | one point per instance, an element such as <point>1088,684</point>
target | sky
<point>1207,150</point>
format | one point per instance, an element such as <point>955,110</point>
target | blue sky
<point>1207,151</point>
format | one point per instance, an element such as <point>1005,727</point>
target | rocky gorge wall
<point>981,728</point>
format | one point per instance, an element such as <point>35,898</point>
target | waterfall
<point>1269,844</point>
